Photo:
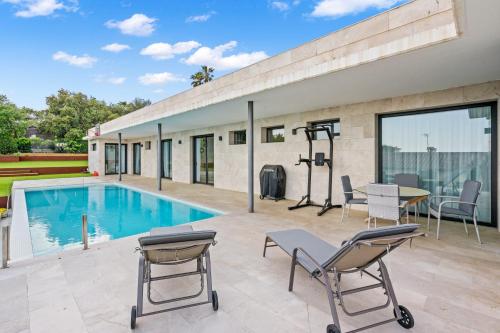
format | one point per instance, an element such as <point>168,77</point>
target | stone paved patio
<point>451,285</point>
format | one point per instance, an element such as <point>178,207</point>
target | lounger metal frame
<point>383,280</point>
<point>203,269</point>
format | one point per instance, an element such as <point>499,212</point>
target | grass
<point>42,164</point>
<point>6,182</point>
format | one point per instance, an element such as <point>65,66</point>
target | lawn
<point>6,182</point>
<point>42,164</point>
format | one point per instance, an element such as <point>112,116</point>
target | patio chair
<point>384,202</point>
<point>174,246</point>
<point>408,180</point>
<point>349,198</point>
<point>366,248</point>
<point>467,206</point>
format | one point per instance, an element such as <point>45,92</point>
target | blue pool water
<point>55,215</point>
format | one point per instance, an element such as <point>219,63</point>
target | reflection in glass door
<point>204,159</point>
<point>166,158</point>
<point>444,148</point>
<point>137,158</point>
<point>111,157</point>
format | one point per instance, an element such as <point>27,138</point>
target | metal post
<point>119,157</point>
<point>85,235</point>
<point>250,157</point>
<point>5,246</point>
<point>158,174</point>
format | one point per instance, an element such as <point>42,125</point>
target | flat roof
<point>421,46</point>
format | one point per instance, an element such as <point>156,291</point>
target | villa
<point>411,91</point>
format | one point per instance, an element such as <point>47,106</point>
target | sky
<point>117,50</point>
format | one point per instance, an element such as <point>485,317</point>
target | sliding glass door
<point>444,148</point>
<point>204,159</point>
<point>166,158</point>
<point>137,158</point>
<point>111,156</point>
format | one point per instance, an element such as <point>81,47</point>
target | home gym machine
<point>319,160</point>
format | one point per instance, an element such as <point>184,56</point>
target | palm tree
<point>203,76</point>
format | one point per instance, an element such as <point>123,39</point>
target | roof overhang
<point>422,46</point>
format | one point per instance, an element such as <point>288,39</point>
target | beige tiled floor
<point>451,285</point>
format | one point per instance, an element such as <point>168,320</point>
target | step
<point>16,174</point>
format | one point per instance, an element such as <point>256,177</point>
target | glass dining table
<point>412,195</point>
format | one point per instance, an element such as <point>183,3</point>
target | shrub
<point>7,144</point>
<point>74,141</point>
<point>24,145</point>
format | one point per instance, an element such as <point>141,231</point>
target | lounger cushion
<point>366,235</point>
<point>171,230</point>
<point>288,240</point>
<point>177,237</point>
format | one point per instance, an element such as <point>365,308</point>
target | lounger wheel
<point>133,317</point>
<point>215,301</point>
<point>406,318</point>
<point>332,329</point>
<point>261,197</point>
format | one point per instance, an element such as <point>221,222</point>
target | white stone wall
<point>354,150</point>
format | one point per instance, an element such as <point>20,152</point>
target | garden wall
<point>44,170</point>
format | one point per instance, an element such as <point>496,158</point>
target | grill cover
<point>272,182</point>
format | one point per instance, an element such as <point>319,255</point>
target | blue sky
<point>121,49</point>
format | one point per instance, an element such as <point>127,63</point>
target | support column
<point>158,174</point>
<point>250,157</point>
<point>119,157</point>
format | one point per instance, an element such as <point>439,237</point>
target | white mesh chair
<point>466,209</point>
<point>384,203</point>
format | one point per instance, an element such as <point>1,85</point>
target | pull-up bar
<point>319,160</point>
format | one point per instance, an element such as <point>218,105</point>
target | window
<point>333,125</point>
<point>148,145</point>
<point>443,156</point>
<point>275,134</point>
<point>166,158</point>
<point>238,137</point>
<point>94,146</point>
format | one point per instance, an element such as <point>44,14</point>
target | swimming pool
<point>55,215</point>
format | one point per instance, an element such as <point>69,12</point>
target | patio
<point>448,285</point>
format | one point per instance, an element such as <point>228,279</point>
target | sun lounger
<point>366,248</point>
<point>174,246</point>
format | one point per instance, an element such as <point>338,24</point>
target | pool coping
<point>20,237</point>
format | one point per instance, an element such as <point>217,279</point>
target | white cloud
<point>115,47</point>
<point>84,61</point>
<point>337,8</point>
<point>200,18</point>
<point>158,91</point>
<point>117,80</point>
<point>280,5</point>
<point>162,51</point>
<point>158,78</point>
<point>214,57</point>
<point>136,25</point>
<point>33,8</point>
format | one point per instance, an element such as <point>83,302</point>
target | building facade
<point>385,88</point>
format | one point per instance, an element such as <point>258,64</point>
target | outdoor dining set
<point>393,201</point>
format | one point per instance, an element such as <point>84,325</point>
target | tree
<point>13,124</point>
<point>203,76</point>
<point>74,141</point>
<point>71,110</point>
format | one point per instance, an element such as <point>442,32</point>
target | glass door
<point>444,147</point>
<point>111,157</point>
<point>166,158</point>
<point>137,158</point>
<point>204,159</point>
<point>124,158</point>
